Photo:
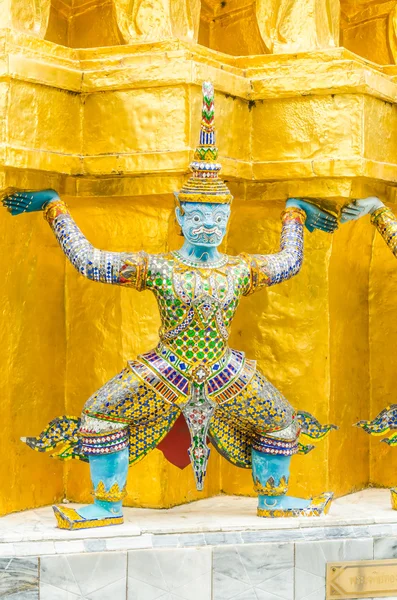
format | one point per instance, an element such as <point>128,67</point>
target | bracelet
<point>378,213</point>
<point>293,214</point>
<point>53,209</point>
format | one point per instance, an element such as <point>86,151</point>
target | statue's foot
<point>288,506</point>
<point>93,511</point>
<point>85,517</point>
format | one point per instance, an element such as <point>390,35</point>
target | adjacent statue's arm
<point>269,269</point>
<point>120,268</point>
<point>386,223</point>
<point>381,216</point>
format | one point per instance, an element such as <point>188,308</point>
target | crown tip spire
<point>205,185</point>
<point>207,132</point>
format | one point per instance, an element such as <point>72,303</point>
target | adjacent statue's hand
<point>28,201</point>
<point>359,208</point>
<point>315,217</point>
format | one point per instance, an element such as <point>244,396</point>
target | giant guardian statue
<point>192,371</point>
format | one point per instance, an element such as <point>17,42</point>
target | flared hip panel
<point>125,412</point>
<point>258,417</point>
<point>123,400</point>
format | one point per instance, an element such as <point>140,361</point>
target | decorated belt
<point>223,379</point>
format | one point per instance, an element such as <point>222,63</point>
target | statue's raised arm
<point>119,268</point>
<point>269,269</point>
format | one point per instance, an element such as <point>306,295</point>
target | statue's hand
<point>315,217</point>
<point>28,201</point>
<point>359,208</point>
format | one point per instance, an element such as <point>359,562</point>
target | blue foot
<point>288,502</point>
<point>288,506</point>
<point>92,511</point>
<point>92,516</point>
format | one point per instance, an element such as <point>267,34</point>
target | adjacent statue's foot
<point>288,506</point>
<point>393,493</point>
<point>86,517</point>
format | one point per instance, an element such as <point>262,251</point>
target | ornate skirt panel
<point>125,399</point>
<point>64,440</point>
<point>230,440</point>
<point>258,417</point>
<point>171,377</point>
<point>144,438</point>
<point>249,411</point>
<point>128,401</point>
<point>261,409</point>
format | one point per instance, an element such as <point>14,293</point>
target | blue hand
<point>29,201</point>
<point>315,218</point>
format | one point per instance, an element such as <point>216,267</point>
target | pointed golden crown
<point>205,185</point>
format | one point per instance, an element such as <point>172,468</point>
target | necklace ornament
<point>220,262</point>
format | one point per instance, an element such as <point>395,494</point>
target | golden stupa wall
<point>101,100</point>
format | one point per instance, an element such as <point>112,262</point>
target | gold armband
<point>379,212</point>
<point>54,209</point>
<point>386,223</point>
<point>133,273</point>
<point>293,214</point>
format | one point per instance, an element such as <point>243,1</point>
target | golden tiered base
<point>69,518</point>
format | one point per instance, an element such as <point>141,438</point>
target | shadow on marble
<point>311,559</point>
<point>260,572</point>
<point>84,577</point>
<point>19,578</point>
<point>170,574</point>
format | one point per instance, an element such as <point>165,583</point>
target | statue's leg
<point>271,474</point>
<point>273,429</point>
<point>122,403</point>
<point>108,476</point>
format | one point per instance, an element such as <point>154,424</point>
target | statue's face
<point>203,225</point>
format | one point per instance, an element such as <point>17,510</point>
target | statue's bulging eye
<point>218,219</point>
<point>196,219</point>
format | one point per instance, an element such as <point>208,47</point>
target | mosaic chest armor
<point>196,306</point>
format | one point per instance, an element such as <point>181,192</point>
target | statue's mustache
<point>207,231</point>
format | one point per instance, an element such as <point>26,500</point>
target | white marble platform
<point>215,549</point>
<point>219,520</point>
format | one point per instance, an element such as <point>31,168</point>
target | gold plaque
<point>362,579</point>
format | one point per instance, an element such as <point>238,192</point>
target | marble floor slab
<point>264,571</point>
<point>311,560</point>
<point>19,578</point>
<point>180,574</point>
<point>385,547</point>
<point>101,576</point>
